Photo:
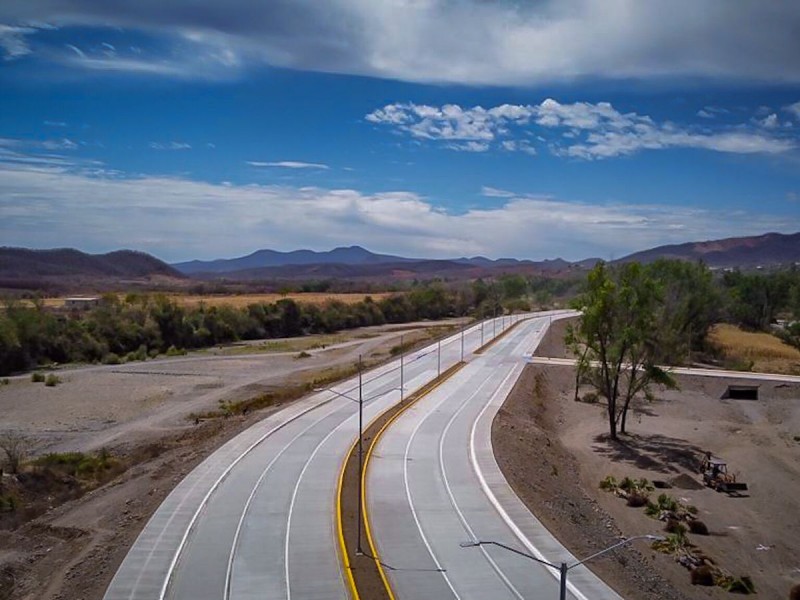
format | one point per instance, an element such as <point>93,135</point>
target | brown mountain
<point>25,264</point>
<point>766,250</point>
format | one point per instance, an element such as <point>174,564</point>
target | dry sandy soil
<point>140,411</point>
<point>554,453</point>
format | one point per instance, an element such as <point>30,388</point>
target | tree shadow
<point>653,452</point>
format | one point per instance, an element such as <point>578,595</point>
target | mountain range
<point>18,265</point>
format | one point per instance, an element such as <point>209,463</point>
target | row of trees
<point>142,325</point>
<point>636,317</point>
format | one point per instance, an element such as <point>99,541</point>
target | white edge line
<point>493,499</point>
<point>216,484</point>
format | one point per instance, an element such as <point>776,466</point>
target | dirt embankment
<point>554,452</point>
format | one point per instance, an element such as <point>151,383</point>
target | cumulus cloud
<point>288,164</point>
<point>469,41</point>
<point>794,109</point>
<point>56,205</point>
<point>591,130</point>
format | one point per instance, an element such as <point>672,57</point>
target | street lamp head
<point>470,544</point>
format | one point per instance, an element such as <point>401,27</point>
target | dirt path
<point>554,453</point>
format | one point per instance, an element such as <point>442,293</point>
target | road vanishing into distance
<point>257,518</point>
<point>433,486</point>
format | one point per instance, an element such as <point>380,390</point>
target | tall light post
<point>462,342</point>
<point>563,568</point>
<point>402,352</point>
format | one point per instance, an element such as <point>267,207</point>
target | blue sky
<point>440,128</point>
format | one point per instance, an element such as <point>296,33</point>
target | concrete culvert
<point>741,392</point>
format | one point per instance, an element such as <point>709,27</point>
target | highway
<point>433,485</point>
<point>256,518</point>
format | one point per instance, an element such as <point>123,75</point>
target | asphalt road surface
<point>433,486</point>
<point>256,519</point>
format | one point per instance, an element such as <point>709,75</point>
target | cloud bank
<point>469,41</point>
<point>58,203</point>
<point>582,130</point>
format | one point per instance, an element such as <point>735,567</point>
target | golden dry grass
<point>242,300</point>
<point>239,301</point>
<point>759,351</point>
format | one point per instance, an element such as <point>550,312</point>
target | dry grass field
<point>755,351</point>
<point>242,300</point>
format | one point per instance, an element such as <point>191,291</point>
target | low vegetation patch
<point>679,519</point>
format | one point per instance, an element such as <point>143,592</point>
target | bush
<point>112,358</point>
<point>675,526</point>
<point>303,354</point>
<point>5,381</point>
<point>173,351</point>
<point>637,499</point>
<point>702,575</point>
<point>52,380</point>
<point>609,484</point>
<point>37,378</point>
<point>698,527</point>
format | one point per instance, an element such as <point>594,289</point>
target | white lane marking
<point>493,499</point>
<point>461,516</point>
<point>257,485</point>
<point>225,473</point>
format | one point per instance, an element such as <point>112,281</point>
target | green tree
<point>616,338</point>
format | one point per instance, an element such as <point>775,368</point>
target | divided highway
<point>256,519</point>
<point>433,485</point>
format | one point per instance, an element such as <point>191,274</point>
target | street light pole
<point>402,352</point>
<point>462,343</point>
<point>360,454</point>
<point>439,358</point>
<point>563,567</point>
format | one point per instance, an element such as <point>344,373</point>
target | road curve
<point>433,483</point>
<point>256,518</point>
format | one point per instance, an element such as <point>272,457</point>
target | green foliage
<point>5,381</point>
<point>609,484</point>
<point>37,377</point>
<point>617,337</point>
<point>140,326</point>
<point>303,354</point>
<point>77,464</point>
<point>52,380</point>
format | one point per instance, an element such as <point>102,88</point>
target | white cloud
<point>62,144</point>
<point>55,123</point>
<point>170,146</point>
<point>770,121</point>
<point>13,43</point>
<point>52,205</point>
<point>794,109</point>
<point>491,192</point>
<point>589,131</point>
<point>288,164</point>
<point>469,41</point>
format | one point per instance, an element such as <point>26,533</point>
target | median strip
<point>364,572</point>
<point>499,336</point>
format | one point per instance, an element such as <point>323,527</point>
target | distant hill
<point>22,263</point>
<point>747,252</point>
<point>352,255</point>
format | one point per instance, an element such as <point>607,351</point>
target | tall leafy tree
<point>616,338</point>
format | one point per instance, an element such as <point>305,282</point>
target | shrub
<point>52,380</point>
<point>652,509</point>
<point>675,526</point>
<point>637,499</point>
<point>698,527</point>
<point>609,483</point>
<point>702,575</point>
<point>5,381</point>
<point>303,354</point>
<point>173,351</point>
<point>112,358</point>
<point>37,378</point>
<point>590,398</point>
<point>627,484</point>
<point>153,353</point>
<point>666,502</point>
